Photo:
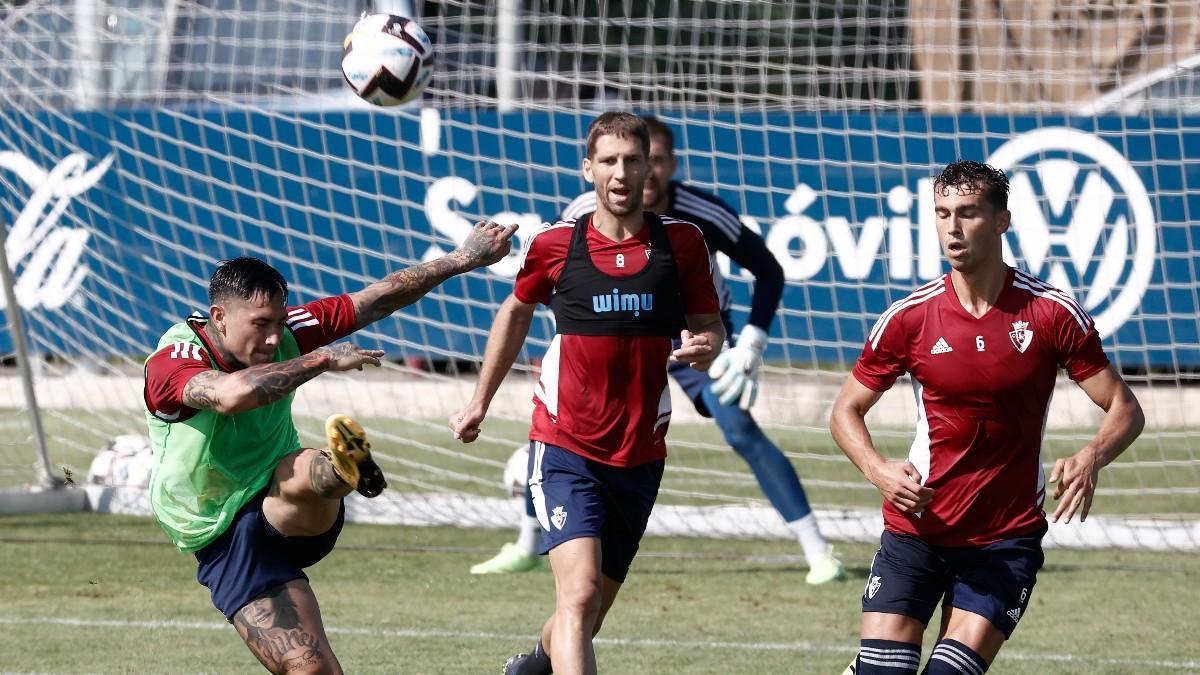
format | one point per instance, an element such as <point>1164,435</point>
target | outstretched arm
<point>487,243</point>
<point>1078,474</point>
<point>257,386</point>
<point>898,481</point>
<point>508,333</point>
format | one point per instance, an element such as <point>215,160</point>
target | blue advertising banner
<point>115,218</point>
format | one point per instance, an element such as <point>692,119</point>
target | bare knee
<point>580,600</point>
<point>308,474</point>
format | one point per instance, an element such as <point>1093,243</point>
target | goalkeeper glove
<point>735,370</point>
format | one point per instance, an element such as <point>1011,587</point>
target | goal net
<point>141,143</point>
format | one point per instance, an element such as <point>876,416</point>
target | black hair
<point>970,177</point>
<point>657,128</point>
<point>245,278</point>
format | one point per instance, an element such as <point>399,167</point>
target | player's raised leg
<point>283,629</point>
<point>309,485</point>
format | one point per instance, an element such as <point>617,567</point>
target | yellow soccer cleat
<point>350,453</point>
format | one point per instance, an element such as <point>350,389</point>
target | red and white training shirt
<point>606,397</point>
<point>983,388</point>
<point>168,371</point>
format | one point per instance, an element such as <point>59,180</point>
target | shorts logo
<point>558,517</point>
<point>1081,219</point>
<point>1021,336</point>
<point>1015,614</point>
<point>873,584</point>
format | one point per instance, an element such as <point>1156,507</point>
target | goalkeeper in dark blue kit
<point>728,389</point>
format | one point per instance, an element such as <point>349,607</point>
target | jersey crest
<point>1021,336</point>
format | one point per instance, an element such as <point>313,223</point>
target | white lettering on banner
<point>448,223</point>
<point>53,268</point>
<point>1109,241</point>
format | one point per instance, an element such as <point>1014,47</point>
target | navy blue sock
<point>776,475</point>
<point>951,657</point>
<point>887,657</point>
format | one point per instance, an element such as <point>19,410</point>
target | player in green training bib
<point>231,482</point>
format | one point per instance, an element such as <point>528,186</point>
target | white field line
<point>799,647</point>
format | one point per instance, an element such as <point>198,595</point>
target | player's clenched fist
<point>900,484</point>
<point>465,424</point>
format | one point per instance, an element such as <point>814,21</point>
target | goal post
<point>225,129</point>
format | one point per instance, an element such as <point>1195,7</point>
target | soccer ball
<point>387,59</point>
<point>516,471</point>
<point>127,461</point>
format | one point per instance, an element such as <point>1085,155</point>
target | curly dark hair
<point>970,177</point>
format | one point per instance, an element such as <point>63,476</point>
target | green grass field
<point>421,451</point>
<point>108,594</point>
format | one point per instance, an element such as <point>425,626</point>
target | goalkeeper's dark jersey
<point>724,233</point>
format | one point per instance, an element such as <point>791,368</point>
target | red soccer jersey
<point>606,397</point>
<point>982,387</point>
<point>167,372</point>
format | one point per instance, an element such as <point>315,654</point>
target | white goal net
<point>140,143</point>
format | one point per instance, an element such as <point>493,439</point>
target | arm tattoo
<point>201,391</point>
<point>270,381</point>
<point>272,629</point>
<point>404,287</point>
<point>273,381</point>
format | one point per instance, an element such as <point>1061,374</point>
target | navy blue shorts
<point>692,382</point>
<point>911,577</point>
<point>576,497</point>
<point>252,557</point>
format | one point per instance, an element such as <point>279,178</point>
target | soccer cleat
<point>825,568</point>
<point>509,560</point>
<point>526,663</point>
<point>350,453</point>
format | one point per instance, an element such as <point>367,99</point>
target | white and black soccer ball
<point>516,471</point>
<point>387,59</point>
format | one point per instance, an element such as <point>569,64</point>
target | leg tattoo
<point>325,481</point>
<point>271,627</point>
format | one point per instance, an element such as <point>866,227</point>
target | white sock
<point>531,534</point>
<point>811,541</point>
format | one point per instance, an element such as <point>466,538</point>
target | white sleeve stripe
<point>1081,320</point>
<point>1034,281</point>
<point>726,222</point>
<point>668,220</point>
<point>914,299</point>
<point>301,324</point>
<point>297,310</point>
<point>186,350</point>
<point>546,227</point>
<point>584,203</point>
